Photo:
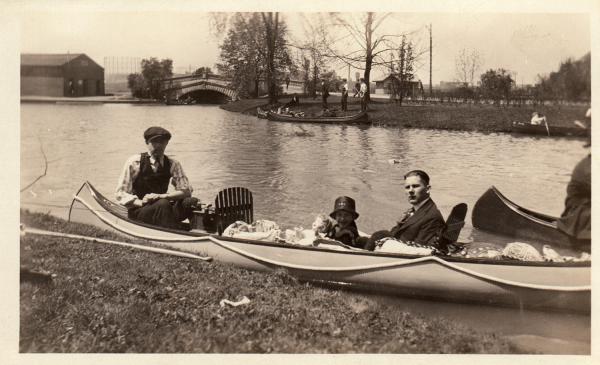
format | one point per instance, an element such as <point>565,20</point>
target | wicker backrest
<point>231,205</point>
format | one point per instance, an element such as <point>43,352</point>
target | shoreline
<point>482,118</point>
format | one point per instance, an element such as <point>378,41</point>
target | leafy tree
<point>255,48</point>
<point>203,71</point>
<point>496,84</point>
<point>137,85</point>
<point>572,81</point>
<point>147,84</point>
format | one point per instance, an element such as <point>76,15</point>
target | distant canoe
<point>494,212</point>
<point>361,117</point>
<point>552,131</point>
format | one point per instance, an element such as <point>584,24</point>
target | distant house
<point>61,75</point>
<point>392,83</point>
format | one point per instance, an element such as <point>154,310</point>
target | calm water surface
<point>294,171</point>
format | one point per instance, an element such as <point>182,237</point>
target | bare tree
<point>405,70</point>
<point>467,63</point>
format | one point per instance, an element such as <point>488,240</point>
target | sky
<point>527,44</point>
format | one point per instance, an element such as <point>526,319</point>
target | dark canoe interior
<point>121,212</point>
<point>356,118</point>
<point>554,130</point>
<point>526,212</point>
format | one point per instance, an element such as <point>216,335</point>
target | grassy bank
<point>462,117</point>
<point>114,299</point>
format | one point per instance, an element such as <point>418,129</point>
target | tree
<point>255,48</point>
<point>147,83</point>
<point>367,46</point>
<point>496,84</point>
<point>313,49</point>
<point>306,74</point>
<point>467,63</point>
<point>203,71</point>
<point>405,71</point>
<point>135,83</point>
<point>572,81</point>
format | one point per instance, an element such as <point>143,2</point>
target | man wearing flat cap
<point>144,184</point>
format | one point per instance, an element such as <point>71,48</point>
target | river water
<point>296,171</point>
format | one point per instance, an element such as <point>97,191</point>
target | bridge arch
<point>207,85</point>
<point>177,87</point>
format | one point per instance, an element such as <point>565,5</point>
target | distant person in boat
<point>423,222</point>
<point>345,229</point>
<point>538,118</point>
<point>144,182</point>
<point>576,219</point>
<point>363,95</point>
<point>324,93</point>
<point>344,95</point>
<point>293,102</point>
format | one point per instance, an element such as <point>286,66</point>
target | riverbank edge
<point>97,289</point>
<point>441,116</point>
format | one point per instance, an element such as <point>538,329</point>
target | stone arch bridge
<point>178,88</point>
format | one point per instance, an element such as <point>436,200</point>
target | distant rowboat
<point>361,117</point>
<point>552,131</point>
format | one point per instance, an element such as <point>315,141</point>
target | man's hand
<point>151,198</point>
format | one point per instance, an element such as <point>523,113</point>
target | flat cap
<point>156,132</point>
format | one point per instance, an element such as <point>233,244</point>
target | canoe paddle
<point>125,244</point>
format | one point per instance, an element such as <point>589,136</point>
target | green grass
<point>106,298</point>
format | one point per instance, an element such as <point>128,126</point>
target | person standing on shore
<point>324,93</point>
<point>144,182</point>
<point>363,95</point>
<point>344,95</point>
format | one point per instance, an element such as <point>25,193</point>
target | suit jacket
<point>576,220</point>
<point>422,227</point>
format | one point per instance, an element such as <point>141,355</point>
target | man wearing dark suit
<point>423,222</point>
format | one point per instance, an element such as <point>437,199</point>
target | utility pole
<point>430,61</point>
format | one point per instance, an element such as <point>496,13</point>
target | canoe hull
<point>495,213</point>
<point>554,286</point>
<point>361,117</point>
<point>555,131</point>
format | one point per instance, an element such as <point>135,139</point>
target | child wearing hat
<point>345,230</point>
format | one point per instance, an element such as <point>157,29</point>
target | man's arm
<point>429,231</point>
<point>179,180</point>
<point>124,192</point>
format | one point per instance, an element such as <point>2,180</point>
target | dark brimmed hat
<point>344,203</point>
<point>156,132</point>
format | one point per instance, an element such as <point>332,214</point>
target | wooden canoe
<point>550,286</point>
<point>495,213</point>
<point>552,131</point>
<point>361,117</point>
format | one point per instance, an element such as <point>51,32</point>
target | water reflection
<point>294,171</point>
